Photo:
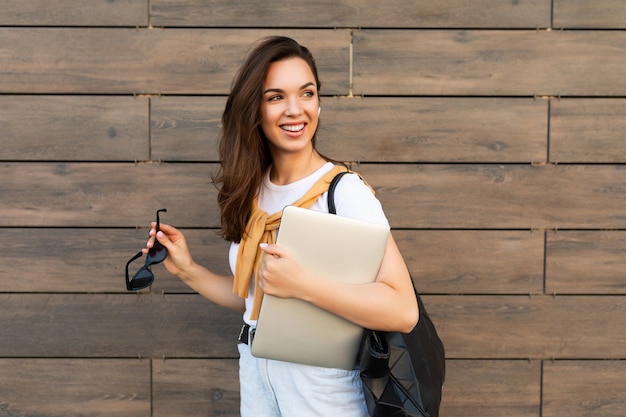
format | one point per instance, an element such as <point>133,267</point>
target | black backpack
<point>402,373</point>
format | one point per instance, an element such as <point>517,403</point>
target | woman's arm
<point>387,304</point>
<point>179,262</point>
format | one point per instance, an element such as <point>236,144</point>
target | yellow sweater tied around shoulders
<point>262,228</point>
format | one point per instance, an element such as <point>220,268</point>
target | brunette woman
<point>269,160</point>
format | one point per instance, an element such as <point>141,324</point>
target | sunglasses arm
<point>127,264</point>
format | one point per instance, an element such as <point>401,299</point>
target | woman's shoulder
<point>355,198</point>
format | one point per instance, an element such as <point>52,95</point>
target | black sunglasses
<point>157,254</point>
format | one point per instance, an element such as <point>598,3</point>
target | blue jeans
<point>272,388</point>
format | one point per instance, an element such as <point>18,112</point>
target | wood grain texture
<point>74,13</point>
<point>106,194</point>
<point>188,326</point>
<point>152,61</point>
<point>351,13</point>
<point>58,260</point>
<point>414,196</point>
<point>588,131</point>
<point>473,262</point>
<point>92,128</point>
<point>446,261</point>
<point>375,129</point>
<point>580,262</point>
<point>493,134</point>
<point>472,388</point>
<point>116,326</point>
<point>600,14</point>
<point>491,388</point>
<point>511,63</point>
<point>195,387</point>
<point>75,387</point>
<point>404,129</point>
<point>584,388</point>
<point>500,196</point>
<point>186,128</point>
<point>470,262</point>
<point>530,327</point>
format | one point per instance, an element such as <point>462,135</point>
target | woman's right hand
<point>179,262</point>
<point>179,258</point>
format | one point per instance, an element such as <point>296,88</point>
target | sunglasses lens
<point>157,253</point>
<point>142,279</point>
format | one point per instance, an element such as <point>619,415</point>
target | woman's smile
<point>294,128</point>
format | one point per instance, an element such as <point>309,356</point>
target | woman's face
<point>290,106</point>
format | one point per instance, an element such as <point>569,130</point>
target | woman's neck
<point>286,170</point>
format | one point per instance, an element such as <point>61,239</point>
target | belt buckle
<point>246,334</point>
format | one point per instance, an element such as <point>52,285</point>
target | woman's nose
<point>294,107</point>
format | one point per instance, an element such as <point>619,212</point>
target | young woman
<point>269,160</point>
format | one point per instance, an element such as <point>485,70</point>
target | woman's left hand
<point>280,274</point>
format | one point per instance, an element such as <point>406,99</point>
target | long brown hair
<point>243,148</point>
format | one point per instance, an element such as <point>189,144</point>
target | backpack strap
<point>331,192</point>
<point>422,345</point>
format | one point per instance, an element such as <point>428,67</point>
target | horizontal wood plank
<point>433,129</point>
<point>581,14</point>
<point>152,61</point>
<point>375,129</point>
<point>511,63</point>
<point>186,128</point>
<point>506,196</point>
<point>92,128</point>
<point>75,387</point>
<point>351,13</point>
<point>458,262</point>
<point>92,260</point>
<point>188,326</point>
<point>588,130</point>
<point>195,387</point>
<point>491,389</point>
<point>106,194</point>
<point>473,262</point>
<point>414,196</point>
<point>531,327</point>
<point>579,262</point>
<point>74,13</point>
<point>584,389</point>
<point>116,326</point>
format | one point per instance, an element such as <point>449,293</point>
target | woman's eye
<point>274,98</point>
<point>309,94</point>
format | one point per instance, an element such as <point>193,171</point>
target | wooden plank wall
<point>493,132</point>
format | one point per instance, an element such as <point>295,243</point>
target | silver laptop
<point>337,248</point>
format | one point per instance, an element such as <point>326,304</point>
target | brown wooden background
<point>494,132</point>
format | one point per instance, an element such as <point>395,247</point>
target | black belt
<point>245,334</point>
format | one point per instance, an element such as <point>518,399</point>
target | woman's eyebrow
<point>278,90</point>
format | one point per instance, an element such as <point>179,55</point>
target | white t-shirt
<point>352,199</point>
